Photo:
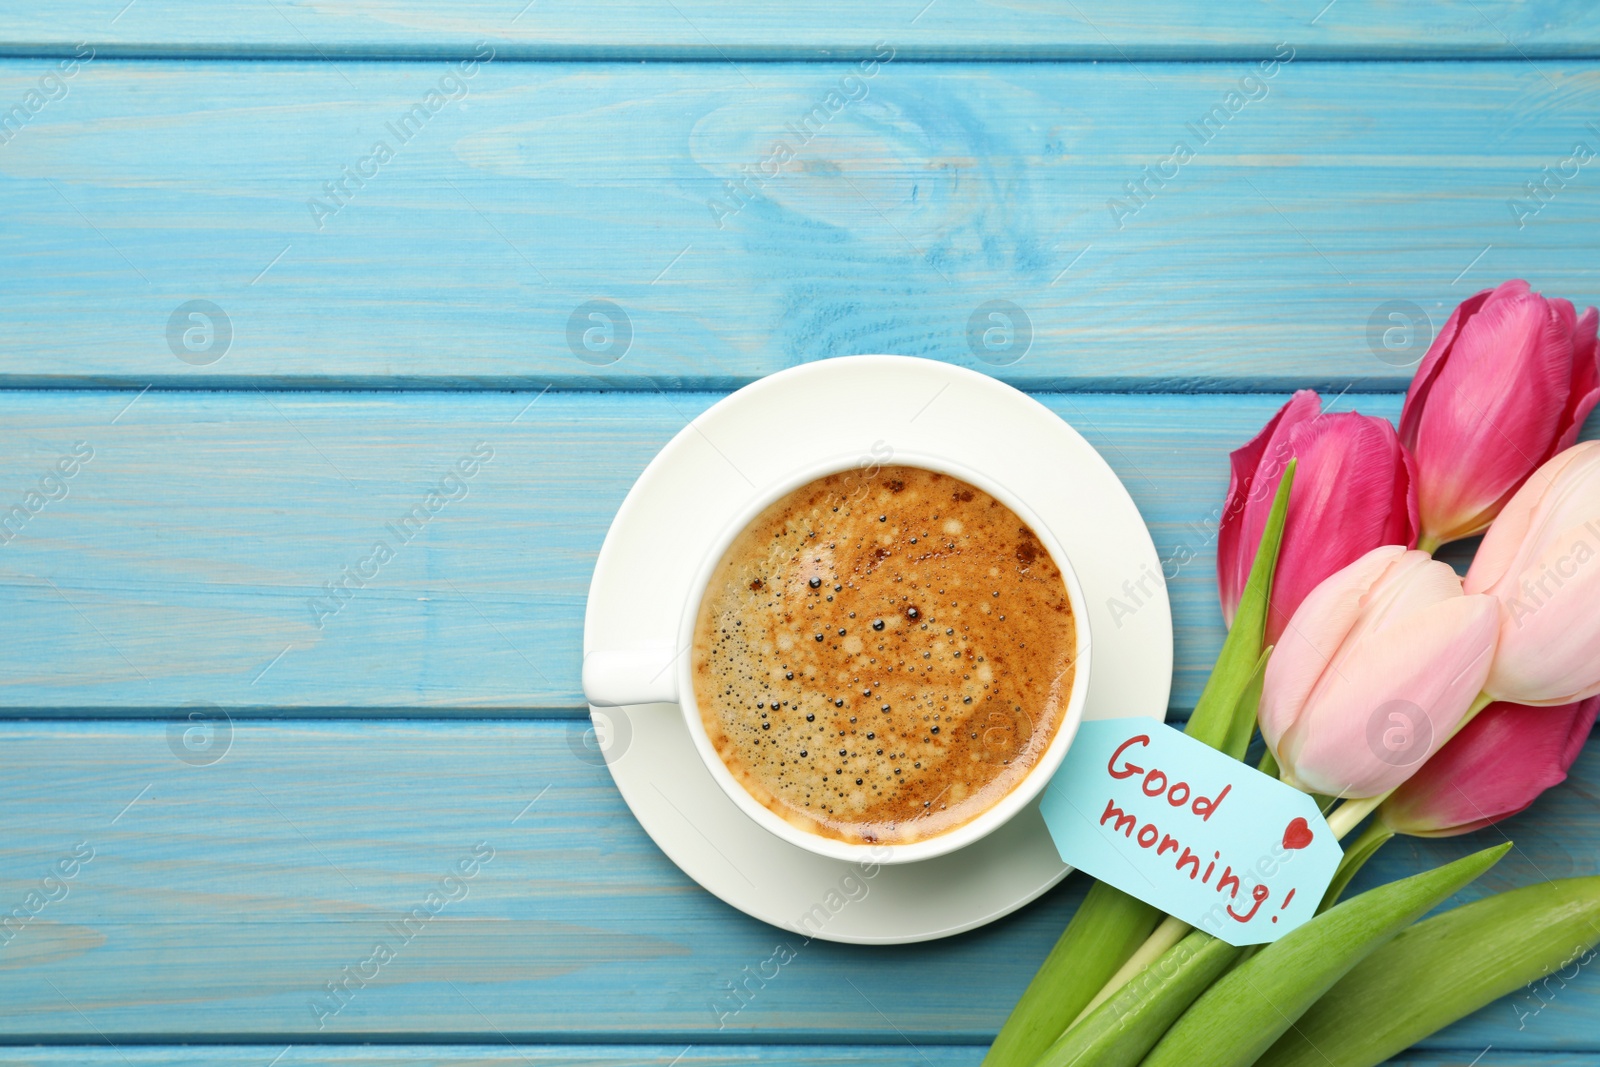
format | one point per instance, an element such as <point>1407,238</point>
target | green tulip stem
<point>1427,544</point>
<point>1168,934</point>
<point>1348,816</point>
<point>1154,947</point>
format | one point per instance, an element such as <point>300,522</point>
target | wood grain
<point>1266,261</point>
<point>220,899</point>
<point>582,1055</point>
<point>720,30</point>
<point>188,559</point>
<point>520,1054</point>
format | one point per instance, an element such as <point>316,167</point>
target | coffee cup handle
<point>616,678</point>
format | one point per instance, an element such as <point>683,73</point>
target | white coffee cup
<point>662,674</point>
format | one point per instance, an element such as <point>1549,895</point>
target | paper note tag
<point>1181,826</point>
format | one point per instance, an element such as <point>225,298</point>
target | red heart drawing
<point>1297,834</point>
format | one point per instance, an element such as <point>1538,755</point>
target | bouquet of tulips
<point>1388,687</point>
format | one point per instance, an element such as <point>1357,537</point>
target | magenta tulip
<point>1495,767</point>
<point>1376,669</point>
<point>1541,559</point>
<point>1353,491</point>
<point>1505,386</point>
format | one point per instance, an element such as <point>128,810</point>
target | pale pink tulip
<point>1541,559</point>
<point>1374,672</point>
<point>1505,386</point>
<point>1495,767</point>
<point>1353,491</point>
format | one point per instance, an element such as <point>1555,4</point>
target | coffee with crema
<point>881,658</point>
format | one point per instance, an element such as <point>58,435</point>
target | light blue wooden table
<point>374,315</point>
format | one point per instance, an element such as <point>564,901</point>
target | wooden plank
<point>187,560</point>
<point>718,30</point>
<point>220,899</point>
<point>1268,259</point>
<point>618,1055</point>
<point>506,1055</point>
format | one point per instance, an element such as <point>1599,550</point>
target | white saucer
<point>701,480</point>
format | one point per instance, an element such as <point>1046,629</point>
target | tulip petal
<point>1549,644</point>
<point>1433,362</point>
<point>1495,767</point>
<point>1493,413</point>
<point>1585,388</point>
<point>1414,581</point>
<point>1504,387</point>
<point>1435,666</point>
<point>1312,638</point>
<point>1577,732</point>
<point>1404,524</point>
<point>1255,469</point>
<point>1351,470</point>
<point>1497,558</point>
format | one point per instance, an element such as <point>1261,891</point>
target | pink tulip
<point>1353,491</point>
<point>1375,671</point>
<point>1541,558</point>
<point>1505,386</point>
<point>1495,767</point>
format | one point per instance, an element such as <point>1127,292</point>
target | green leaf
<point>1440,970</point>
<point>1119,1032</point>
<point>1108,927</point>
<point>1215,716</point>
<point>1250,1007</point>
<point>1243,725</point>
